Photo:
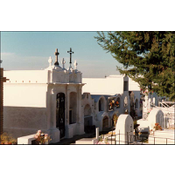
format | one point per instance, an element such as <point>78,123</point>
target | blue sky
<point>31,50</point>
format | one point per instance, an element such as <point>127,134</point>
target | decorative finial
<point>75,64</point>
<point>70,52</point>
<point>56,58</point>
<point>50,61</point>
<point>63,63</point>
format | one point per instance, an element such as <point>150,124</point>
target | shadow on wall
<point>20,121</point>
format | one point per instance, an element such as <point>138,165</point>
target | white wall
<point>25,95</point>
<point>103,86</point>
<point>27,76</point>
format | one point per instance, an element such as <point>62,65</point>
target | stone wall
<point>20,121</point>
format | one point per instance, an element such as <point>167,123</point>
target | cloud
<point>5,54</point>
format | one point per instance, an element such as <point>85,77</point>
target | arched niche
<point>87,110</point>
<point>101,104</point>
<point>72,107</point>
<point>117,102</point>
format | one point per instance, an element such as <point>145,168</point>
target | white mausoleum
<point>49,100</point>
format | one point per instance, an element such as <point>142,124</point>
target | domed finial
<point>75,65</point>
<point>50,61</point>
<point>63,63</point>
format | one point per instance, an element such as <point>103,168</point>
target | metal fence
<point>115,139</point>
<point>131,139</point>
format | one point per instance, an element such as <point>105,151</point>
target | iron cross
<point>70,52</point>
<point>56,57</point>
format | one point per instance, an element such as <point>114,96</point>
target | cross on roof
<point>70,52</point>
<point>56,57</point>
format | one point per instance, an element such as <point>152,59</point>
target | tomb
<point>49,100</point>
<point>124,129</point>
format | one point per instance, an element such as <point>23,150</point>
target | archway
<point>87,118</point>
<point>105,122</point>
<point>101,104</point>
<point>60,113</point>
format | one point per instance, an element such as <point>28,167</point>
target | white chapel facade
<point>49,100</point>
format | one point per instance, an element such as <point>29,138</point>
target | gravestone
<point>156,116</point>
<point>124,129</point>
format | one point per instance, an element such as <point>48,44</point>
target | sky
<point>31,50</point>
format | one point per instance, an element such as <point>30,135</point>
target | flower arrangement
<point>41,138</point>
<point>103,141</point>
<point>7,139</point>
<point>115,118</point>
<point>157,127</point>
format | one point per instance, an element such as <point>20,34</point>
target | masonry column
<point>53,131</point>
<point>80,121</point>
<point>2,80</point>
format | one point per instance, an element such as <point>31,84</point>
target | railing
<point>161,138</point>
<point>112,138</point>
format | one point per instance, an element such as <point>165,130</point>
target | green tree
<point>147,57</point>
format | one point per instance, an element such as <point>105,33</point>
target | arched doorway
<point>105,122</point>
<point>60,113</point>
<point>87,118</point>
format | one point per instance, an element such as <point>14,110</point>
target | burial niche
<point>117,102</point>
<point>73,108</point>
<point>60,113</point>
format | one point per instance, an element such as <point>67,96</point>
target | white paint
<point>26,140</point>
<point>30,101</point>
<point>162,137</point>
<point>155,116</point>
<point>124,129</point>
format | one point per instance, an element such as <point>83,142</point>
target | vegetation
<point>147,57</point>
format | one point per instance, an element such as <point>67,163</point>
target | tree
<point>147,57</point>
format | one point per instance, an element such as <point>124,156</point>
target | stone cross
<point>50,61</point>
<point>70,52</point>
<point>63,62</point>
<point>75,64</point>
<point>56,57</point>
